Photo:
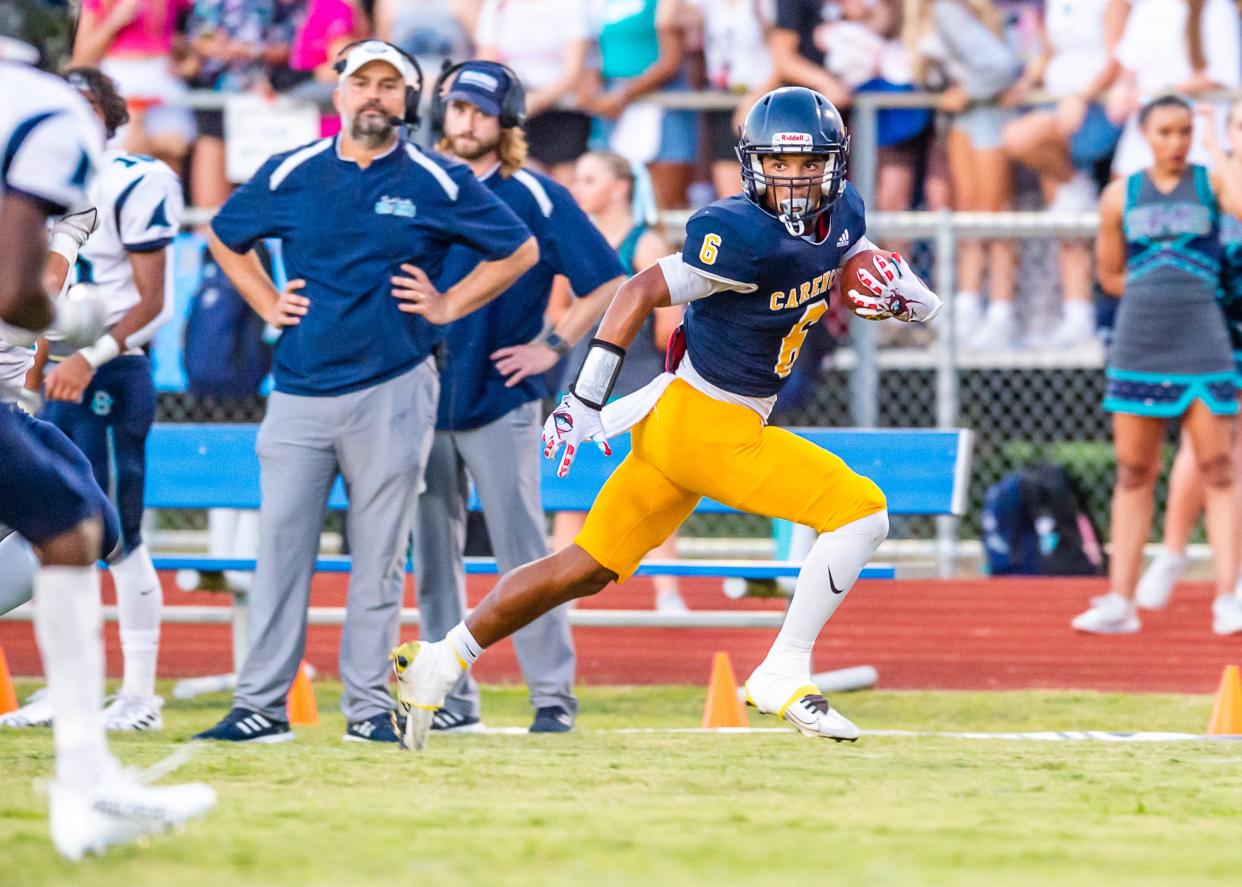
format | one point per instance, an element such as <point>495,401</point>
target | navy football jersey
<point>745,339</point>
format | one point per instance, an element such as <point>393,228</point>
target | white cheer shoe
<point>1156,586</point>
<point>1109,614</point>
<point>801,704</point>
<point>1227,615</point>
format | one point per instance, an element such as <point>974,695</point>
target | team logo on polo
<point>101,403</point>
<point>395,206</point>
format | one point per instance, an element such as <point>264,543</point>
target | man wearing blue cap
<point>356,387</point>
<point>491,385</point>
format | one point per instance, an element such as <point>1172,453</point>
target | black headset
<point>512,106</point>
<point>413,94</point>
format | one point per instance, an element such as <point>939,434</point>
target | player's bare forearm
<point>635,300</point>
<point>149,279</point>
<point>247,273</point>
<point>489,279</point>
<point>24,301</point>
<point>55,273</point>
<point>585,312</point>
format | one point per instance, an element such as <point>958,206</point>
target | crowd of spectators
<point>587,64</point>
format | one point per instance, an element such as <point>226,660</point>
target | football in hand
<point>865,262</point>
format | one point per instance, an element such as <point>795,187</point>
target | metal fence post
<point>947,387</point>
<point>865,376</point>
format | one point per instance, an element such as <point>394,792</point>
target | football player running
<point>50,141</point>
<point>102,396</point>
<point>755,272</point>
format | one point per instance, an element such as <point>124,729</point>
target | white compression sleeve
<point>830,570</point>
<point>68,625</point>
<point>139,600</point>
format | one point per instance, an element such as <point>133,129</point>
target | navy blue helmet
<point>794,120</point>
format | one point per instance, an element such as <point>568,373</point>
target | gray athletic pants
<point>502,458</point>
<point>378,439</point>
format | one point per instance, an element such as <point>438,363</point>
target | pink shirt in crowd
<point>326,22</point>
<point>151,31</point>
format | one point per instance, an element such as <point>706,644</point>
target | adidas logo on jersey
<point>844,239</point>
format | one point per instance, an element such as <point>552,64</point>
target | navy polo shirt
<point>346,230</point>
<point>472,390</point>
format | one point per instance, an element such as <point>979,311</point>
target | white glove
<point>570,424</point>
<point>71,231</point>
<point>894,291</point>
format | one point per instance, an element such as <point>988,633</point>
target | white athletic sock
<point>464,644</point>
<point>1078,312</point>
<point>999,312</point>
<point>68,626</point>
<point>139,600</point>
<point>17,570</point>
<point>829,572</point>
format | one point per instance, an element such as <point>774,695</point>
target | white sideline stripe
<point>1037,736</point>
<point>201,615</point>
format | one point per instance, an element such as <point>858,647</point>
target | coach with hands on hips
<point>355,385</point>
<point>491,385</point>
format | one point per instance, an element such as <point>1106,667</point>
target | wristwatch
<point>556,343</point>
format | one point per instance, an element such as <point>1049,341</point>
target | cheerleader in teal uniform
<point>1159,249</point>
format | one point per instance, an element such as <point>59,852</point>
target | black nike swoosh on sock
<point>833,585</point>
<point>145,593</point>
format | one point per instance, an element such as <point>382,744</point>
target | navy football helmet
<point>794,120</point>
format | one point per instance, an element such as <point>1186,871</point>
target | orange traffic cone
<point>1226,717</point>
<point>8,696</point>
<point>303,712</point>
<point>723,708</point>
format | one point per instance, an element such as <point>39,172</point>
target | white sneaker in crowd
<point>1109,614</point>
<point>1075,330</point>
<point>37,712</point>
<point>997,332</point>
<point>1227,614</point>
<point>1156,586</point>
<point>120,809</point>
<point>128,713</point>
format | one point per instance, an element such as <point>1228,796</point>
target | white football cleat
<point>425,674</point>
<point>1156,586</point>
<point>120,810</point>
<point>37,712</point>
<point>1227,615</point>
<point>1109,614</point>
<point>801,704</point>
<point>130,713</point>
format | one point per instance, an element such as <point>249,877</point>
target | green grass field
<point>602,808</point>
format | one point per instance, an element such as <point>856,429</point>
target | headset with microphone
<point>512,106</point>
<point>413,94</point>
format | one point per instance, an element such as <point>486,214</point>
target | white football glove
<point>71,231</point>
<point>571,423</point>
<point>893,291</point>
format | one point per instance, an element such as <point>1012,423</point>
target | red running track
<point>973,634</point>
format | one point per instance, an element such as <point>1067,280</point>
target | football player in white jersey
<point>49,140</point>
<point>103,396</point>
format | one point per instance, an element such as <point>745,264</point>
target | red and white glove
<point>893,291</point>
<point>571,423</point>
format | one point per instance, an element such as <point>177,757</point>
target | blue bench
<point>922,472</point>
